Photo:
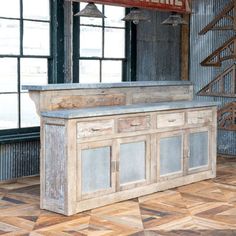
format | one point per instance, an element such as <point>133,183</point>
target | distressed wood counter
<point>97,155</point>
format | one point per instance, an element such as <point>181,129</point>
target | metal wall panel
<point>19,160</point>
<point>203,12</point>
<point>158,50</point>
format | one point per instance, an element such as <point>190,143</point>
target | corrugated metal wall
<point>158,51</point>
<point>19,159</point>
<point>204,11</point>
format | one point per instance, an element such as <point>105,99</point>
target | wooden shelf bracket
<point>225,52</point>
<point>227,117</point>
<point>224,85</point>
<point>225,20</point>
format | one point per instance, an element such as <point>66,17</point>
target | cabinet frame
<point>174,174</point>
<point>93,145</point>
<point>135,184</point>
<point>200,168</point>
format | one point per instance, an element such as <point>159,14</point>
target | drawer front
<point>170,120</point>
<point>95,128</point>
<point>131,124</point>
<point>199,117</point>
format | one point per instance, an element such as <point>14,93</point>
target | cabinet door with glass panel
<point>199,149</point>
<point>133,162</point>
<point>170,155</point>
<point>96,169</point>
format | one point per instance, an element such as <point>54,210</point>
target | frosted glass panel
<point>170,155</point>
<point>198,149</point>
<point>114,43</point>
<point>96,169</point>
<point>34,71</point>
<point>114,15</point>
<point>29,117</point>
<point>8,75</point>
<point>132,162</point>
<point>89,71</point>
<point>111,71</point>
<point>8,111</point>
<point>10,8</point>
<point>90,41</point>
<point>36,38</point>
<point>9,36</point>
<point>36,9</point>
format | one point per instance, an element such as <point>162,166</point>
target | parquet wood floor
<point>203,208</point>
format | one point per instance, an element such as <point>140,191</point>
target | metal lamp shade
<point>174,20</point>
<point>90,10</point>
<point>136,15</point>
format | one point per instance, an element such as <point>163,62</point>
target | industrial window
<point>24,55</point>
<point>101,46</point>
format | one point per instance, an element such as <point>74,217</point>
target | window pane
<point>8,75</point>
<point>114,16</point>
<point>89,71</point>
<point>114,43</point>
<point>36,38</point>
<point>9,37</point>
<point>90,20</point>
<point>29,117</point>
<point>34,71</point>
<point>8,111</point>
<point>111,71</point>
<point>10,8</point>
<point>90,41</point>
<point>36,9</point>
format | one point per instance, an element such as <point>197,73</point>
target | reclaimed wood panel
<point>95,128</point>
<point>55,163</point>
<point>131,124</point>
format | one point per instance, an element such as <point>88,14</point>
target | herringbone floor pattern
<point>204,208</point>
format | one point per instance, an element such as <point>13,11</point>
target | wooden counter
<point>94,156</point>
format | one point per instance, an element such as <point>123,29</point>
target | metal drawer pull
<point>200,118</point>
<point>135,124</point>
<point>172,120</point>
<point>95,129</point>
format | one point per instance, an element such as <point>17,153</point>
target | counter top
<point>103,85</point>
<point>129,109</point>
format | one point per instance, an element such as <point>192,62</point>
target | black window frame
<point>129,60</point>
<point>26,133</point>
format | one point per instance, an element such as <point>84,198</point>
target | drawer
<point>95,128</point>
<point>199,117</point>
<point>170,120</point>
<point>130,124</point>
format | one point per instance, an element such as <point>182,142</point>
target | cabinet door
<point>96,171</point>
<point>134,162</point>
<point>198,157</point>
<point>170,155</point>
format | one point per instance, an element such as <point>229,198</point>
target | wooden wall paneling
<point>225,52</point>
<point>227,117</point>
<point>227,13</point>
<point>224,85</point>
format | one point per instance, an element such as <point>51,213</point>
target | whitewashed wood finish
<point>170,120</point>
<point>95,128</point>
<point>54,166</point>
<point>77,98</point>
<point>199,117</point>
<point>67,135</point>
<point>131,124</point>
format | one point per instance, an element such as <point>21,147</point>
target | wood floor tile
<point>199,209</point>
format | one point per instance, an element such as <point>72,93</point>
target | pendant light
<point>174,20</point>
<point>136,15</point>
<point>90,10</point>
